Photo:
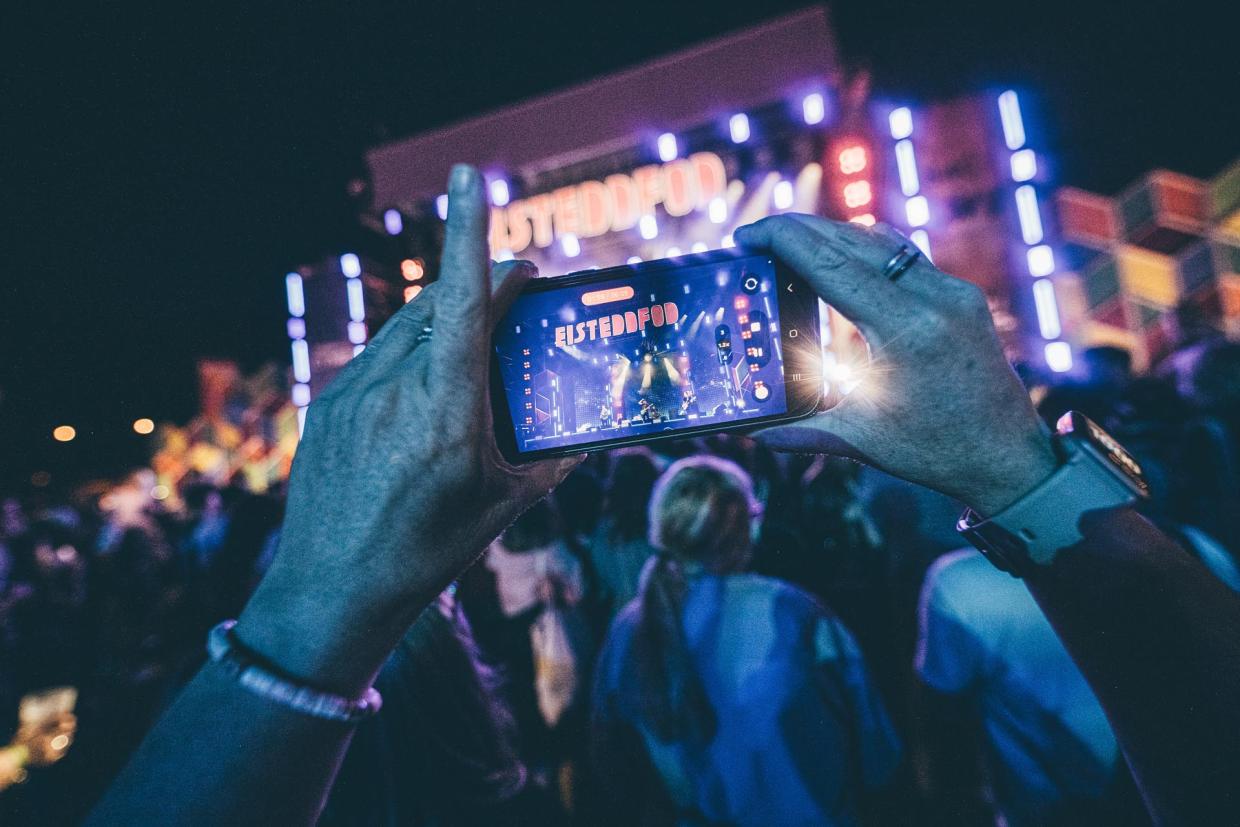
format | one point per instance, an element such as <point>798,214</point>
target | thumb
<point>833,432</point>
<point>538,478</point>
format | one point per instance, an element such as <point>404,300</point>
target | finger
<point>922,278</point>
<point>398,338</point>
<point>831,432</point>
<point>868,245</point>
<point>538,478</point>
<point>459,345</point>
<point>875,246</point>
<point>507,280</point>
<point>829,262</point>
<point>395,340</point>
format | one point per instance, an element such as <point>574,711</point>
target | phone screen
<point>659,348</point>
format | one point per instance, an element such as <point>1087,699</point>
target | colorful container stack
<point>1169,241</point>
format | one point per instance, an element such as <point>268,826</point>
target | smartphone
<point>655,350</point>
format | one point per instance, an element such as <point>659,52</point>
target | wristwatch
<point>1095,472</point>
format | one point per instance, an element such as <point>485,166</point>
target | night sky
<point>162,168</point>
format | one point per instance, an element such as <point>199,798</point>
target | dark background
<point>161,168</point>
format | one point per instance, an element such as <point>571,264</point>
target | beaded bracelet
<point>251,672</point>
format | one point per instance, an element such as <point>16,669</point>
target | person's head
<point>1107,366</point>
<point>702,510</point>
<point>1190,323</point>
<point>579,501</point>
<point>701,513</point>
<point>12,517</point>
<point>537,528</point>
<point>1216,379</point>
<point>632,478</point>
<point>129,500</point>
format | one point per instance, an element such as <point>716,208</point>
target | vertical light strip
<point>499,192</point>
<point>1030,216</point>
<point>668,150</point>
<point>296,295</point>
<point>294,287</point>
<point>1058,356</point>
<point>1039,257</point>
<point>901,123</point>
<point>922,239</point>
<point>1048,308</point>
<point>1041,261</point>
<point>648,226</point>
<point>814,108</point>
<point>301,360</point>
<point>1013,124</point>
<point>916,207</point>
<point>738,128</point>
<point>357,306</point>
<point>1024,165</point>
<point>906,163</point>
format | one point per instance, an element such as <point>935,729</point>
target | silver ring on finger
<point>899,264</point>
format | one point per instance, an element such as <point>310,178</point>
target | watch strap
<point>1033,530</point>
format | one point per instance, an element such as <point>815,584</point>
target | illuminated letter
<point>623,192</point>
<point>518,226</point>
<point>499,230</point>
<point>559,337</point>
<point>678,188</point>
<point>656,315</point>
<point>630,321</point>
<point>592,324</point>
<point>649,183</point>
<point>595,209</point>
<point>617,325</point>
<point>604,326</point>
<point>643,316</point>
<point>581,332</point>
<point>541,207</point>
<point>567,212</point>
<point>712,178</point>
<point>670,311</point>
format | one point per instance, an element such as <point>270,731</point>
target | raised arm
<point>1156,636</point>
<point>397,486</point>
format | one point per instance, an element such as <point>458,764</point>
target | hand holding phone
<point>939,404</point>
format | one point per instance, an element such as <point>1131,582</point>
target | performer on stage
<point>688,402</point>
<point>649,413</point>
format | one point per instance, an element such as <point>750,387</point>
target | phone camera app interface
<point>642,353</point>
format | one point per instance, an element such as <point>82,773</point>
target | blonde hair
<point>701,509</point>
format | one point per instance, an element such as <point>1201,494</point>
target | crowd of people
<point>697,592</point>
